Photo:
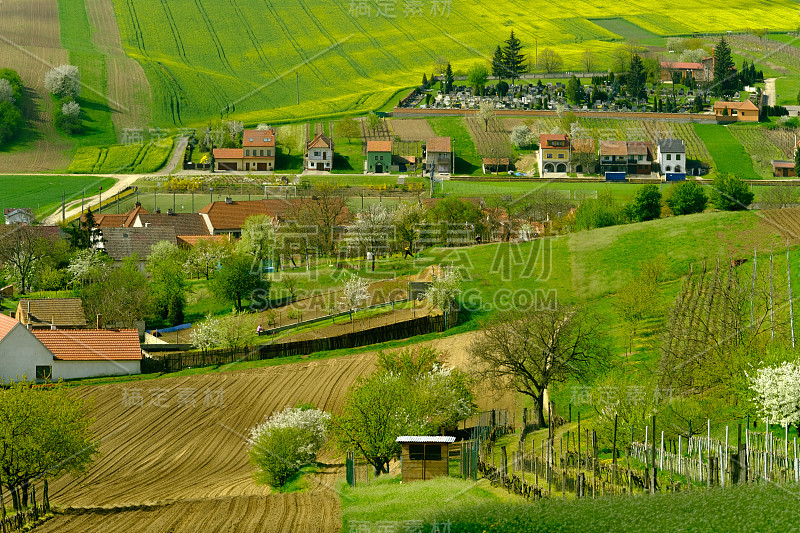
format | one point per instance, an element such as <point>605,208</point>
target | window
<point>247,152</point>
<point>269,153</point>
<point>44,372</point>
<point>669,168</point>
<point>549,156</point>
<point>428,452</point>
<point>641,157</point>
<point>561,156</point>
<point>677,157</point>
<point>262,153</point>
<point>316,154</point>
<point>416,452</point>
<point>669,157</point>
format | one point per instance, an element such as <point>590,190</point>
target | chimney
<point>99,321</point>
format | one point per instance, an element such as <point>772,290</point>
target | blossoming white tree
<point>777,391</point>
<point>63,80</point>
<point>287,441</point>
<point>355,292</point>
<point>444,289</point>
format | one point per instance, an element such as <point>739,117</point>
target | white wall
<point>20,354</point>
<point>89,369</point>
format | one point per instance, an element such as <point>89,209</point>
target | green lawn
<point>765,508</point>
<point>43,193</point>
<point>787,89</point>
<point>729,155</point>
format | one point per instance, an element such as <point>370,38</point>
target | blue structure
<point>615,176</point>
<point>675,176</point>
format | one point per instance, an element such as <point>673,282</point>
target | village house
<point>379,157</point>
<point>319,153</point>
<point>554,152</point>
<point>257,153</point>
<point>630,157</point>
<point>227,218</point>
<point>726,112</point>
<point>63,313</point>
<point>671,156</point>
<point>583,159</point>
<point>55,354</point>
<point>121,243</point>
<point>22,215</point>
<point>439,155</point>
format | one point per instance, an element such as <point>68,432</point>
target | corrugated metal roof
<point>425,439</point>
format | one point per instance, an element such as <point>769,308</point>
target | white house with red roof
<point>257,153</point>
<point>319,153</point>
<point>66,353</point>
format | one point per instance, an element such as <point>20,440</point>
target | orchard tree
<point>44,434</point>
<point>777,392</point>
<point>530,350</point>
<point>85,266</point>
<point>522,137</point>
<point>687,198</point>
<point>63,81</point>
<point>406,219</point>
<point>121,294</point>
<point>237,280</point>
<point>411,393</point>
<point>205,256</point>
<point>486,113</point>
<point>317,217</point>
<point>373,120</point>
<point>444,289</point>
<point>168,274</point>
<point>550,61</point>
<point>22,248</point>
<point>287,441</point>
<point>6,92</point>
<point>371,232</point>
<point>355,292</point>
<point>348,127</point>
<point>258,238</point>
<point>730,193</point>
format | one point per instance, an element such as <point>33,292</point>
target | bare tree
<point>530,350</point>
<point>550,60</point>
<point>319,216</point>
<point>588,59</point>
<point>21,248</point>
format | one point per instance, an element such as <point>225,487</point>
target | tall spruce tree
<point>448,79</point>
<point>513,58</point>
<point>499,64</point>
<point>724,71</point>
<point>636,79</point>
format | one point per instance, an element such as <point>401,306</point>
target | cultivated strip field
<point>274,513</point>
<point>411,129</point>
<point>30,44</point>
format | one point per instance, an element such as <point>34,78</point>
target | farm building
<point>783,169</point>
<point>319,153</point>
<point>439,154</point>
<point>379,157</point>
<point>51,312</point>
<point>745,111</point>
<point>703,71</point>
<point>495,164</point>
<point>22,215</point>
<point>257,153</point>
<point>424,457</point>
<point>671,155</point>
<point>554,152</point>
<point>65,353</point>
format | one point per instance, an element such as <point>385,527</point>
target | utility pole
<point>297,77</point>
<point>63,208</point>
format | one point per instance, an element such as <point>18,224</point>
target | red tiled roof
<point>133,213</point>
<point>320,141</point>
<point>613,148</point>
<point>232,216</point>
<point>91,344</point>
<point>109,221</point>
<point>6,325</point>
<point>228,153</point>
<point>682,66</point>
<point>639,148</point>
<point>379,146</point>
<point>258,138</point>
<point>747,105</point>
<point>783,164</point>
<point>438,144</point>
<point>546,140</point>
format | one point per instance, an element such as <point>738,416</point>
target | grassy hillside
<point>250,59</point>
<point>43,193</point>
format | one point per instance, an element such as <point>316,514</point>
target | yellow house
<point>745,111</point>
<point>554,153</point>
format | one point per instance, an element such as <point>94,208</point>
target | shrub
<point>71,109</point>
<point>646,204</point>
<point>730,193</point>
<point>598,213</point>
<point>686,198</point>
<point>10,121</point>
<point>286,442</point>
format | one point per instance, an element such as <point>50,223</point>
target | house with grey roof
<point>671,156</point>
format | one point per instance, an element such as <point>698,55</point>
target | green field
<point>117,159</point>
<point>43,193</point>
<point>251,60</point>
<point>729,155</point>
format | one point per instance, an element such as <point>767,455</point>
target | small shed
<point>424,457</point>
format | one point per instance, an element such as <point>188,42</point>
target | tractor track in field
<point>212,32</point>
<point>138,28</point>
<point>316,22</point>
<point>289,37</point>
<point>252,36</point>
<point>375,44</point>
<point>175,31</point>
